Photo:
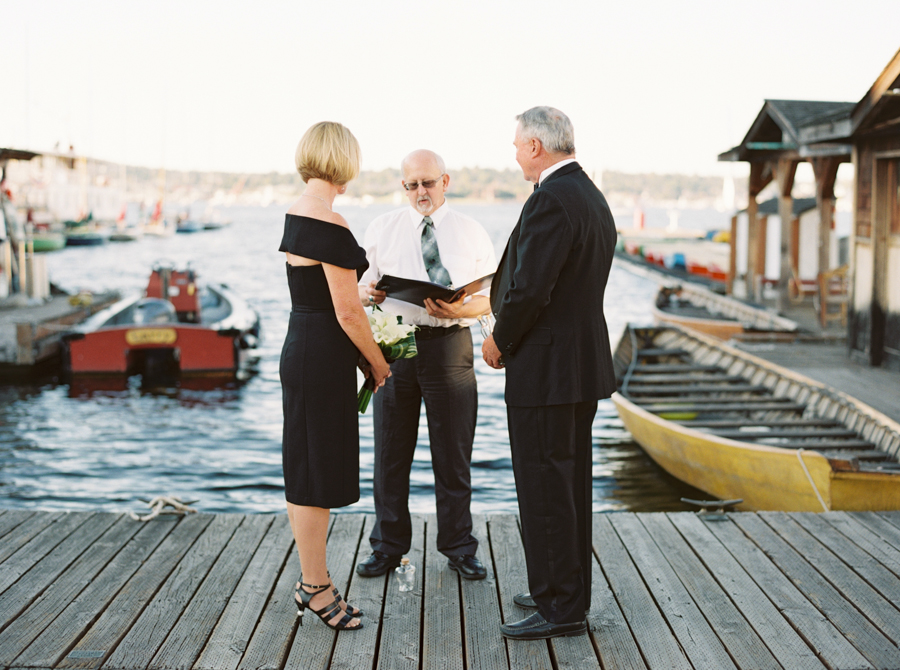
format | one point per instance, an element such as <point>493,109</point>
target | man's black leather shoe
<point>468,567</point>
<point>377,564</point>
<point>525,600</point>
<point>536,627</point>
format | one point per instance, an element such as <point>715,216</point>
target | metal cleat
<point>713,510</point>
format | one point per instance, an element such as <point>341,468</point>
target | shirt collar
<point>436,216</point>
<point>553,168</point>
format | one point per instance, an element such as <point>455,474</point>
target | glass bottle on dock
<point>406,575</point>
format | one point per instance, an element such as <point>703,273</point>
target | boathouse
<point>866,293</point>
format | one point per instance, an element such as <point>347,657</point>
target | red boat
<point>177,326</point>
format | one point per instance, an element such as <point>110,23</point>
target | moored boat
<point>737,426</point>
<point>177,326</point>
<point>188,226</point>
<point>723,317</point>
<point>47,240</point>
<point>86,236</point>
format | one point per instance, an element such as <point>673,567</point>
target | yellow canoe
<point>737,426</point>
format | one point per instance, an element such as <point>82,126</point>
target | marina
<point>87,590</point>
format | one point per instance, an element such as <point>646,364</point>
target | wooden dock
<point>85,590</point>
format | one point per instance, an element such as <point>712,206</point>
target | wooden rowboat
<point>700,310</point>
<point>737,426</point>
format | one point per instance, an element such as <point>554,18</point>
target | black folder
<point>415,291</point>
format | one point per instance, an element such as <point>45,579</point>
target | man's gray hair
<point>551,127</point>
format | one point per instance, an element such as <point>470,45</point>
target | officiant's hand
<point>446,310</point>
<point>369,296</point>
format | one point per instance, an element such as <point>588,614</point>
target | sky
<point>650,86</point>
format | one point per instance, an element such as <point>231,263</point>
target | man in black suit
<point>551,338</point>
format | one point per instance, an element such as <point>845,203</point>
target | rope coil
<point>159,505</point>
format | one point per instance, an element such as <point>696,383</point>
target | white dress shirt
<point>393,244</point>
<point>553,168</point>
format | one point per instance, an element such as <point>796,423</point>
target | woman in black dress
<point>328,335</point>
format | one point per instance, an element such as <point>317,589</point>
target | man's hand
<point>491,353</point>
<point>445,310</point>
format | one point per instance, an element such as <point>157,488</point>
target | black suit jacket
<point>548,298</point>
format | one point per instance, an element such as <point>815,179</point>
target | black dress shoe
<point>525,600</point>
<point>377,564</point>
<point>468,567</point>
<point>536,627</point>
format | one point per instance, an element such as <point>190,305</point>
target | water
<point>85,446</point>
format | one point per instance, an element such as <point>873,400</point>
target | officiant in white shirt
<point>427,241</point>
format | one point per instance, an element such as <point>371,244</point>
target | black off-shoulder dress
<point>320,445</point>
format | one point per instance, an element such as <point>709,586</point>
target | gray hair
<point>551,127</point>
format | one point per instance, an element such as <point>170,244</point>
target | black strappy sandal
<point>327,613</point>
<point>351,610</point>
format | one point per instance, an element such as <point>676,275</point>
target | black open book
<point>415,291</point>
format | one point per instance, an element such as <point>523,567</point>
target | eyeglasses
<point>412,186</point>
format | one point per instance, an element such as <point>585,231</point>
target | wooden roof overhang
<point>778,132</point>
<point>879,109</point>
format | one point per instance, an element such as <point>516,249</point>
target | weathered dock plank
<point>658,645</point>
<point>744,646</point>
<point>851,586</point>
<point>45,571</point>
<point>13,518</point>
<point>33,540</point>
<point>877,648</point>
<point>66,588</point>
<point>608,628</point>
<point>512,578</point>
<point>196,622</point>
<point>149,632</point>
<point>402,618</point>
<point>271,641</point>
<point>815,628</point>
<point>215,592</point>
<point>875,574</point>
<point>867,539</point>
<point>356,649</point>
<point>779,635</point>
<point>53,641</point>
<point>232,633</point>
<point>119,616</point>
<point>442,625</point>
<point>697,638</point>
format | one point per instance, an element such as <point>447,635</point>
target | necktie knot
<point>428,222</point>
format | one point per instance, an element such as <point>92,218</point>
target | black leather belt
<point>431,332</point>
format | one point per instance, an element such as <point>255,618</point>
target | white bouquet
<point>395,339</point>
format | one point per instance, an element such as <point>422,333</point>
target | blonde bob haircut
<point>328,151</point>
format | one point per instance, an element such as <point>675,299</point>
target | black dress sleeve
<point>322,241</point>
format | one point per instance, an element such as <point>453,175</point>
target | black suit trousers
<point>442,375</point>
<point>551,455</point>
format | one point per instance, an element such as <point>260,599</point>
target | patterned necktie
<point>436,271</point>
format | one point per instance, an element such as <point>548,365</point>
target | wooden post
<point>760,176</point>
<point>25,344</point>
<point>762,229</point>
<point>732,256</point>
<point>825,169</point>
<point>785,170</point>
<point>795,244</point>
